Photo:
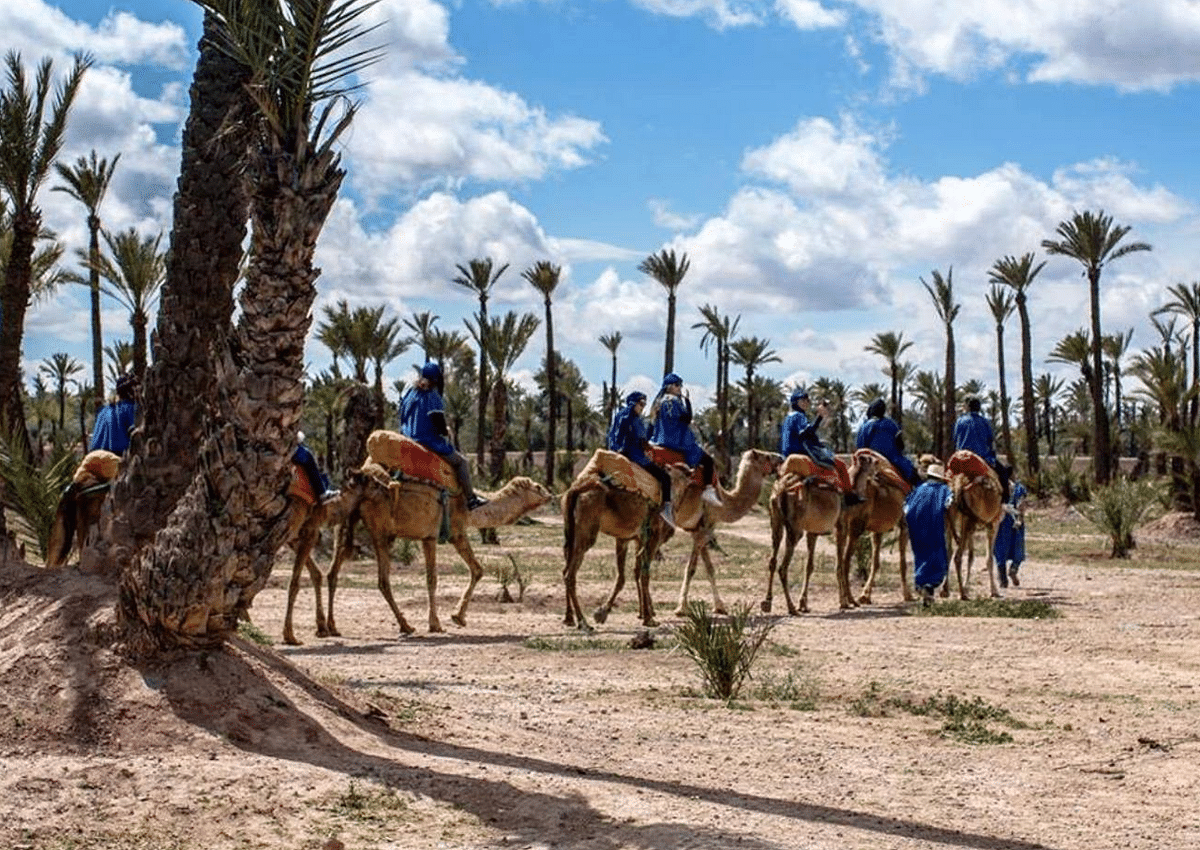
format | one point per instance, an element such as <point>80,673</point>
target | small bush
<point>1117,508</point>
<point>965,720</point>
<point>1016,609</point>
<point>723,649</point>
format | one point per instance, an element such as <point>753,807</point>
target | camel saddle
<point>805,467</point>
<point>887,470</point>
<point>966,462</point>
<point>97,467</point>
<point>664,456</point>
<point>408,458</point>
<point>301,487</point>
<point>619,471</point>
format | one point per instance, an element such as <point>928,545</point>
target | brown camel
<point>978,506</point>
<point>613,495</point>
<point>79,507</point>
<point>801,504</point>
<point>417,510</point>
<point>305,521</point>
<point>700,518</point>
<point>882,492</point>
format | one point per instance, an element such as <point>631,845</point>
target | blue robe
<point>672,429</point>
<point>416,423</point>
<point>973,432</point>
<point>925,511</point>
<point>112,426</point>
<point>1010,540</point>
<point>627,435</point>
<point>882,435</point>
<point>798,436</point>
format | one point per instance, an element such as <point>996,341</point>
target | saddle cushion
<point>664,456</point>
<point>300,487</point>
<point>621,472</point>
<point>805,467</point>
<point>965,462</point>
<point>98,467</point>
<point>405,455</point>
<point>886,469</point>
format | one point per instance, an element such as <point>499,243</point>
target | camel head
<point>763,462</point>
<point>924,461</point>
<point>511,502</point>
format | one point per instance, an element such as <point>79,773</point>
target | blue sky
<point>813,159</point>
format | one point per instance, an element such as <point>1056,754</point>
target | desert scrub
<point>795,693</point>
<point>253,633</point>
<point>724,650</point>
<point>1018,609</point>
<point>964,720</point>
<point>1117,508</point>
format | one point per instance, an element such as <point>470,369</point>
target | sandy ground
<point>514,732</point>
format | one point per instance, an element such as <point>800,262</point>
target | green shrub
<point>33,492</point>
<point>723,649</point>
<point>1117,508</point>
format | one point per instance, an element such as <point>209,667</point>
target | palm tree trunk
<point>669,356</point>
<point>1005,431</point>
<point>14,302</point>
<point>481,410</point>
<point>1028,405</point>
<point>97,337</point>
<point>552,394</point>
<point>499,428</point>
<point>1194,407</point>
<point>1100,438</point>
<point>948,406</point>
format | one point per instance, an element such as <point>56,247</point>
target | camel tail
<point>62,533</point>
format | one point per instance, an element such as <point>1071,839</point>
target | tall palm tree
<point>612,342</point>
<point>385,345</point>
<point>930,391</point>
<point>1046,388</point>
<point>1185,302</point>
<point>30,140</point>
<point>87,182</point>
<point>118,359</point>
<point>445,346</point>
<point>669,271</point>
<point>1001,302</point>
<point>1074,349</point>
<point>750,352</point>
<point>941,291</point>
<point>335,333</point>
<point>212,563</point>
<point>507,338</point>
<point>135,270</point>
<point>1094,241</point>
<point>1115,346</point>
<point>891,345</point>
<point>422,324</point>
<point>543,275</point>
<point>479,276</point>
<point>1018,274</point>
<point>719,333</point>
<point>61,368</point>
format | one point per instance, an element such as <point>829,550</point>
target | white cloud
<point>36,29</point>
<point>667,218</point>
<point>720,14</point>
<point>809,14</point>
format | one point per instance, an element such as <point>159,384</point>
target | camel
<point>306,518</point>
<point>800,504</point>
<point>882,491</point>
<point>79,507</point>
<point>417,510</point>
<point>700,517</point>
<point>597,501</point>
<point>978,505</point>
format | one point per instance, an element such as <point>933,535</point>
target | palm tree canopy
<point>1092,239</point>
<point>136,268</point>
<point>942,293</point>
<point>1001,302</point>
<point>87,180</point>
<point>611,341</point>
<point>1016,273</point>
<point>479,277</point>
<point>666,268</point>
<point>543,275</point>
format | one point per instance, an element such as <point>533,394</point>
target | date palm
<point>422,325</point>
<point>1115,346</point>
<point>930,390</point>
<point>543,276</point>
<point>612,342</point>
<point>135,270</point>
<point>1185,303</point>
<point>87,182</point>
<point>385,345</point>
<point>1018,274</point>
<point>506,341</point>
<point>1094,241</point>
<point>208,563</point>
<point>1001,304</point>
<point>1046,389</point>
<point>719,332</point>
<point>669,271</point>
<point>60,368</point>
<point>891,345</point>
<point>941,291</point>
<point>751,352</point>
<point>479,276</point>
<point>30,140</point>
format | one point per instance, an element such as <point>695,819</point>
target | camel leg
<point>429,547</point>
<point>601,613</point>
<point>570,574</point>
<point>718,605</point>
<point>384,576</point>
<point>810,540</point>
<point>846,538</point>
<point>697,545</point>
<point>459,617</point>
<point>777,523</point>
<point>642,579</point>
<point>992,530</point>
<point>302,548</point>
<point>864,597</point>
<point>343,544</point>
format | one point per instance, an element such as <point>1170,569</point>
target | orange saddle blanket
<point>964,462</point>
<point>664,456</point>
<point>301,487</point>
<point>621,472</point>
<point>398,453</point>
<point>805,467</point>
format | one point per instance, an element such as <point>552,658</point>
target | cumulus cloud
<point>36,29</point>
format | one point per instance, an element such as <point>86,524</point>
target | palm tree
<point>445,346</point>
<point>543,275</point>
<point>87,182</point>
<point>506,341</point>
<point>1094,241</point>
<point>212,563</point>
<point>1019,274</point>
<point>335,333</point>
<point>719,332</point>
<point>930,391</point>
<point>1046,389</point>
<point>750,352</point>
<point>422,324</point>
<point>942,293</point>
<point>669,272</point>
<point>384,346</point>
<point>29,143</point>
<point>891,345</point>
<point>1000,303</point>
<point>612,342</point>
<point>119,359</point>
<point>1074,349</point>
<point>479,276</point>
<point>136,270</point>
<point>60,368</point>
<point>835,394</point>
<point>1115,347</point>
<point>1185,302</point>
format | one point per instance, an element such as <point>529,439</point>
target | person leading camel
<point>423,418</point>
<point>627,436</point>
<point>881,433</point>
<point>115,421</point>
<point>673,430</point>
<point>1010,537</point>
<point>928,531</point>
<point>973,432</point>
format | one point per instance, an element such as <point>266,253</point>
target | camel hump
<point>403,454</point>
<point>97,467</point>
<point>619,471</point>
<point>802,466</point>
<point>966,462</point>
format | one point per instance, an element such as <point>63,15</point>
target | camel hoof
<point>322,632</point>
<point>864,599</point>
<point>333,632</point>
<point>584,627</point>
<point>406,629</point>
<point>650,622</point>
<point>600,615</point>
<point>721,609</point>
<point>290,640</point>
<point>680,611</point>
<point>436,628</point>
<point>765,606</point>
<point>458,620</point>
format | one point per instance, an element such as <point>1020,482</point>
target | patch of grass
<point>1018,609</point>
<point>254,634</point>
<point>795,693</point>
<point>574,643</point>
<point>368,803</point>
<point>964,720</point>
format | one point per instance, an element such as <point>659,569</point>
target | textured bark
<point>195,309</point>
<point>97,335</point>
<point>1005,430</point>
<point>1028,406</point>
<point>1102,448</point>
<point>358,420</point>
<point>14,302</point>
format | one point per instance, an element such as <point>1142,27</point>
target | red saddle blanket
<point>964,462</point>
<point>886,469</point>
<point>398,453</point>
<point>805,467</point>
<point>664,456</point>
<point>300,487</point>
